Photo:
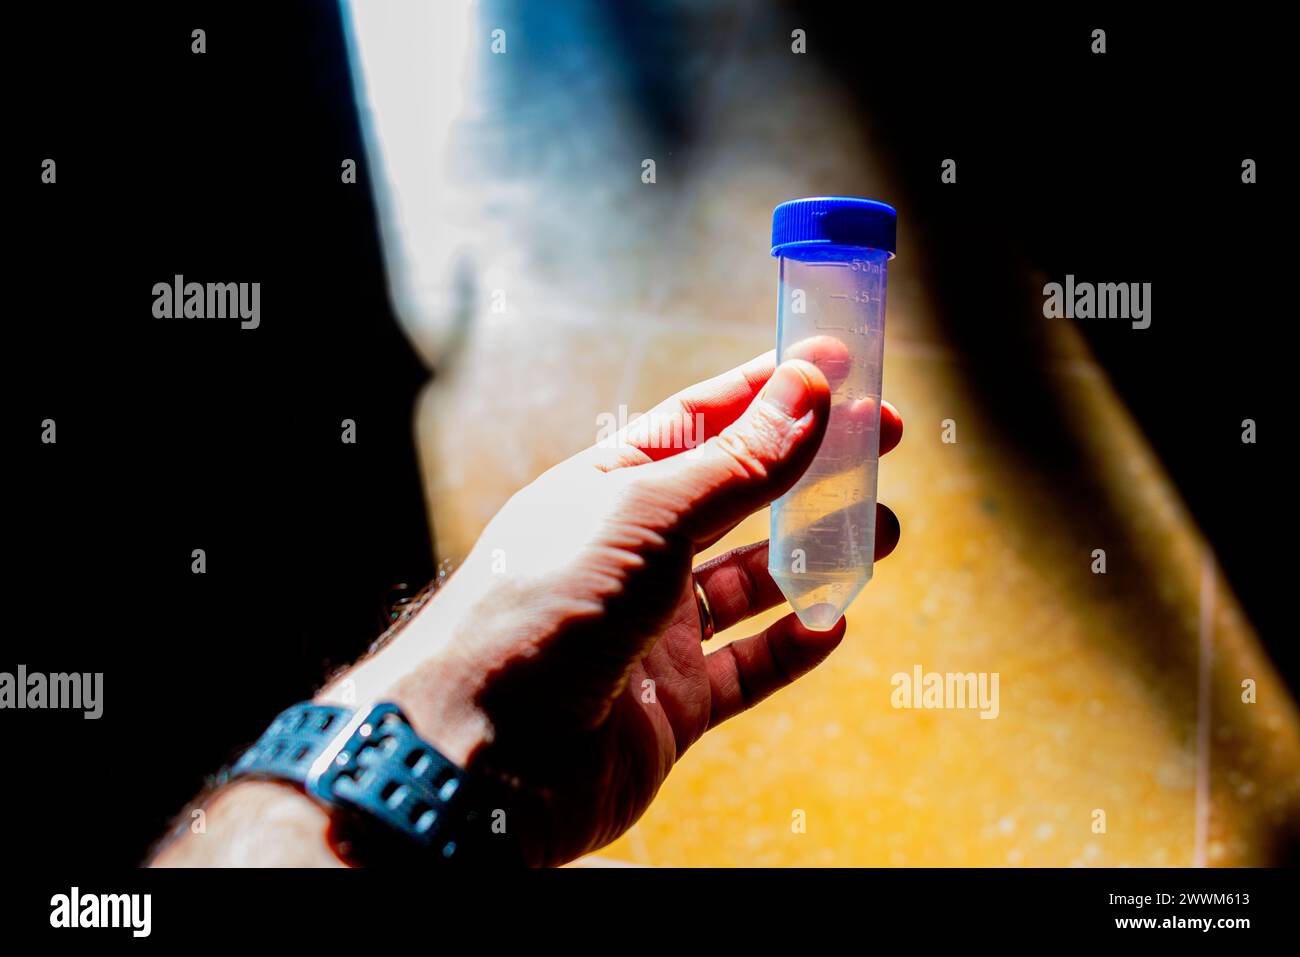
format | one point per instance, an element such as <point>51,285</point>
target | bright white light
<point>411,68</point>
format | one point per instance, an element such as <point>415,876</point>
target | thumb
<point>754,460</point>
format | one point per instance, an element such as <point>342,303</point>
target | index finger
<point>699,410</point>
<point>708,407</point>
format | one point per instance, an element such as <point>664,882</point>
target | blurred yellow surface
<point>1120,693</point>
<point>1101,694</point>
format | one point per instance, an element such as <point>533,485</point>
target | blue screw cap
<point>834,221</point>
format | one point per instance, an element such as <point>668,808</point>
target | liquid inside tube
<point>831,313</point>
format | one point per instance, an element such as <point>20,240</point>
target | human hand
<point>565,654</point>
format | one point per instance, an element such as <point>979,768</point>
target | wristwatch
<point>369,767</point>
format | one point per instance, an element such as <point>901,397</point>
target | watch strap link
<point>373,764</point>
<point>296,737</point>
<point>383,768</point>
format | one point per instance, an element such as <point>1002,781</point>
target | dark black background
<point>181,435</point>
<point>225,167</point>
<point>589,909</point>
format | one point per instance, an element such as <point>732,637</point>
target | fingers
<point>891,427</point>
<point>751,462</point>
<point>888,531</point>
<point>891,433</point>
<point>739,586</point>
<point>698,411</point>
<point>747,671</point>
<point>706,408</point>
<point>826,353</point>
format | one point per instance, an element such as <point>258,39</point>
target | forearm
<point>268,824</point>
<point>255,824</point>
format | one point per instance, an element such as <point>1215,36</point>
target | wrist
<point>435,688</point>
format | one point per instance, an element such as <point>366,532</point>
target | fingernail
<point>788,391</point>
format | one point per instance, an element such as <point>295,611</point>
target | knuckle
<point>739,456</point>
<point>754,445</point>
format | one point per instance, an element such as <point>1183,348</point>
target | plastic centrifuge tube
<point>833,253</point>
